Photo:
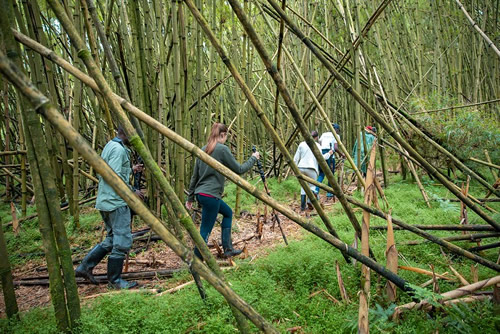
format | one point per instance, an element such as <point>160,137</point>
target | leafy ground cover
<point>282,285</point>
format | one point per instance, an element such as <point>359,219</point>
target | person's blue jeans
<point>321,177</point>
<point>118,239</point>
<point>211,207</point>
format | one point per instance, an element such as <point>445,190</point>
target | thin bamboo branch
<point>457,107</point>
<point>488,41</point>
<point>489,164</point>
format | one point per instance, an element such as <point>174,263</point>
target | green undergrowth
<point>282,285</point>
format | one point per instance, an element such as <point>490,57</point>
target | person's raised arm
<point>229,161</point>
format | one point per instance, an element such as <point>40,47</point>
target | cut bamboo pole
<point>364,295</point>
<point>391,255</point>
<point>451,227</point>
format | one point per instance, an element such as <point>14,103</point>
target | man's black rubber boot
<point>89,262</point>
<point>302,202</point>
<point>115,266</point>
<point>227,244</point>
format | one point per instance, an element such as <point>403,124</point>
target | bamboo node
<point>84,54</point>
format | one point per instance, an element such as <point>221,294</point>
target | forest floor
<point>290,285</point>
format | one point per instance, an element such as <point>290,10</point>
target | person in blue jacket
<point>116,215</point>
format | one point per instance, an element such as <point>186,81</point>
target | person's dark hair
<point>314,134</point>
<point>217,130</point>
<point>120,130</point>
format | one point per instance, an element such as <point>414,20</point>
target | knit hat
<point>336,126</point>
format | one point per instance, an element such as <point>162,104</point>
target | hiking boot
<point>115,266</point>
<point>89,262</point>
<point>227,244</point>
<point>302,202</point>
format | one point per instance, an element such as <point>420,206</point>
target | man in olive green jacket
<point>116,216</point>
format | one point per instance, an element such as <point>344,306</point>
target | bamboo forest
<point>276,166</point>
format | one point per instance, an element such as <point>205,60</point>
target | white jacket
<point>304,157</point>
<point>326,139</point>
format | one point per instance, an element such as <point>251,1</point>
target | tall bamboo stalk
<point>9,295</point>
<point>56,246</point>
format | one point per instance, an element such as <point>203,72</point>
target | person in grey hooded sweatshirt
<point>207,186</point>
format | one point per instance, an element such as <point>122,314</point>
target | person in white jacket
<point>308,165</point>
<point>328,142</point>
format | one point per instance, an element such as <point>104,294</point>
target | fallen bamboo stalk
<point>429,282</point>
<point>442,227</point>
<point>120,292</point>
<point>485,247</point>
<point>466,237</point>
<point>485,163</point>
<point>18,179</point>
<point>479,199</point>
<point>425,272</point>
<point>4,153</point>
<point>44,280</point>
<point>470,299</point>
<point>450,295</point>
<point>175,289</point>
<point>462,280</point>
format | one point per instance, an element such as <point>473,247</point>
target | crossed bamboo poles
<point>78,142</point>
<point>87,80</point>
